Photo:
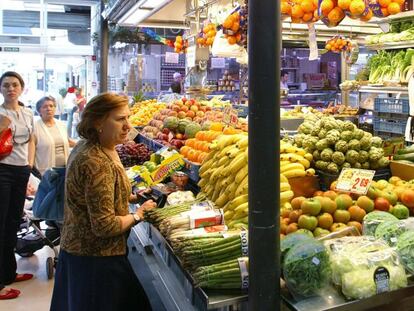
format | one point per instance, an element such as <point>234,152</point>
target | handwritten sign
<point>355,180</point>
<point>230,116</point>
<point>171,58</point>
<point>218,62</point>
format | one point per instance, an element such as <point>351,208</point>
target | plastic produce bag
<point>301,11</point>
<point>405,248</point>
<point>373,219</point>
<point>330,13</point>
<point>391,230</point>
<point>354,8</point>
<point>306,269</point>
<point>337,44</point>
<point>383,8</point>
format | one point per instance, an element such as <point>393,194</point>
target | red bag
<point>6,143</point>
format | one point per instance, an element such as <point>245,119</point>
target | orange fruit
<point>328,47</point>
<point>228,22</point>
<point>357,7</point>
<point>231,40</point>
<point>184,150</point>
<point>384,3</point>
<point>238,37</point>
<point>285,8</point>
<point>367,16</point>
<point>307,6</point>
<point>307,17</point>
<point>336,15</point>
<point>400,2</point>
<point>235,27</point>
<point>394,8</point>
<point>344,4</point>
<point>327,6</point>
<point>315,4</point>
<point>297,11</point>
<point>209,41</point>
<point>385,12</point>
<point>211,33</point>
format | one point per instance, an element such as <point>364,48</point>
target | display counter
<point>320,98</point>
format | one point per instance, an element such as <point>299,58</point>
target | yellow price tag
<point>355,180</point>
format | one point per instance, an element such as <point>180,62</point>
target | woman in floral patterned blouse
<point>93,272</point>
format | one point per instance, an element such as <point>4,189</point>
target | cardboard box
<point>315,80</point>
<point>402,169</point>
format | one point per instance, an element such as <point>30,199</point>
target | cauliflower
<point>376,142</point>
<point>363,156</point>
<point>375,154</point>
<point>326,154</point>
<point>316,155</point>
<point>338,157</point>
<point>354,145</point>
<point>365,142</point>
<point>341,146</point>
<point>352,156</point>
<point>365,165</point>
<point>357,165</point>
<point>322,133</point>
<point>305,128</point>
<point>321,165</point>
<point>383,162</point>
<point>322,144</point>
<point>346,135</point>
<point>333,136</point>
<point>358,134</point>
<point>349,126</point>
<point>332,168</point>
<point>346,165</point>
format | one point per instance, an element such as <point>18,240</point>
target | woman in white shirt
<point>50,137</point>
<point>14,175</point>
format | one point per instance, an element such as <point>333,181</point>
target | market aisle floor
<point>36,293</point>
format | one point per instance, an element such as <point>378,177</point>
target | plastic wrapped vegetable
<point>405,248</point>
<point>373,219</point>
<point>306,268</point>
<point>292,240</point>
<point>390,231</point>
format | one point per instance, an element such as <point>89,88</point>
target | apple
<point>342,216</point>
<point>338,227</point>
<point>305,231</point>
<point>366,203</point>
<point>311,207</point>
<point>194,108</point>
<point>355,224</point>
<point>318,193</point>
<point>294,215</point>
<point>181,115</point>
<point>407,198</point>
<point>330,194</point>
<point>297,202</point>
<point>391,196</point>
<point>357,213</point>
<point>400,211</point>
<point>328,205</point>
<point>320,232</point>
<point>382,204</point>
<point>325,220</point>
<point>343,201</point>
<point>307,222</point>
<point>394,179</point>
<point>285,211</point>
<point>283,228</point>
<point>381,184</point>
<point>292,227</point>
<point>373,192</point>
<point>165,131</point>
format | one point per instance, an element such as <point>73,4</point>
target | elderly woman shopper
<point>93,272</point>
<point>14,175</point>
<point>51,138</point>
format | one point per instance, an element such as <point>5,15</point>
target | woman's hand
<point>147,205</point>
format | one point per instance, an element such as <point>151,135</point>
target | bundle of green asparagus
<point>229,274</point>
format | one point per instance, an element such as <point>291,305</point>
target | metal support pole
<point>264,148</point>
<point>103,59</point>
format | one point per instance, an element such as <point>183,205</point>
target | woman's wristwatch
<point>137,219</point>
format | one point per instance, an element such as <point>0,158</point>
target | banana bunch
<point>286,193</point>
<point>294,161</point>
<point>224,173</point>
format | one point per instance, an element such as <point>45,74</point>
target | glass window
<point>20,17</point>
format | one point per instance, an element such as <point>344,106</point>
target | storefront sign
<point>218,62</point>
<point>172,58</point>
<point>10,49</point>
<point>355,180</point>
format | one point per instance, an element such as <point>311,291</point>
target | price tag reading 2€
<point>355,180</point>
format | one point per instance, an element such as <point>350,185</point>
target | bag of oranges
<point>337,44</point>
<point>301,11</point>
<point>383,8</point>
<point>354,8</point>
<point>330,13</point>
<point>206,36</point>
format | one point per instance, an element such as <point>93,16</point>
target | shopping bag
<point>6,143</point>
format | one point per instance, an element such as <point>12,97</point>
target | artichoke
<point>326,154</point>
<point>298,139</point>
<point>322,144</point>
<point>322,133</point>
<point>340,125</point>
<point>315,130</point>
<point>333,136</point>
<point>305,128</point>
<point>375,154</point>
<point>358,134</point>
<point>354,145</point>
<point>321,165</point>
<point>332,168</point>
<point>338,157</point>
<point>309,143</point>
<point>341,146</point>
<point>365,165</point>
<point>316,155</point>
<point>376,141</point>
<point>365,142</point>
<point>346,165</point>
<point>383,162</point>
<point>346,135</point>
<point>349,126</point>
<point>352,156</point>
<point>363,156</point>
<point>357,165</point>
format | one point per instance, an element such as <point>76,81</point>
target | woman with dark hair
<point>93,272</point>
<point>14,175</point>
<point>50,137</point>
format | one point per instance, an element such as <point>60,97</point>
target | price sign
<point>218,62</point>
<point>171,58</point>
<point>355,180</point>
<point>230,116</point>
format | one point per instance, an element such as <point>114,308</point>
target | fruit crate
<point>326,179</point>
<point>150,143</point>
<point>392,105</point>
<point>394,125</point>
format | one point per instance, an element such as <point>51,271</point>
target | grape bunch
<point>132,154</point>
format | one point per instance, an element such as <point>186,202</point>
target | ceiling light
<point>133,18</point>
<point>152,4</point>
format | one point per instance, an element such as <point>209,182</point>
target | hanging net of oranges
<point>301,11</point>
<point>180,45</point>
<point>206,36</point>
<point>383,8</point>
<point>231,28</point>
<point>337,44</point>
<point>330,13</point>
